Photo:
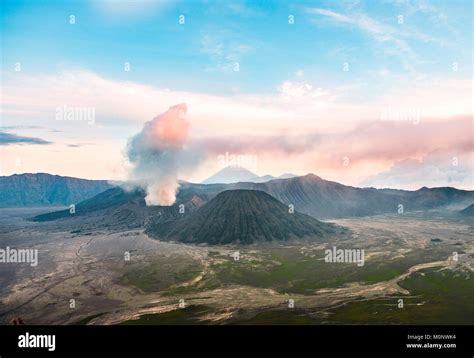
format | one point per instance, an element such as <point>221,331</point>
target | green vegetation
<point>437,297</point>
<point>160,273</point>
<point>288,271</point>
<point>188,315</point>
<point>278,318</point>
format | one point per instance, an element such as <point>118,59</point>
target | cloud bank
<point>299,128</point>
<point>436,169</point>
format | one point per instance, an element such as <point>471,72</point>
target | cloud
<point>439,168</point>
<point>309,130</point>
<point>370,148</point>
<point>370,140</point>
<point>397,140</point>
<point>20,127</point>
<point>78,145</point>
<point>124,103</point>
<point>282,144</point>
<point>391,37</point>
<point>421,6</point>
<point>159,155</point>
<point>10,138</point>
<point>301,90</point>
<point>378,31</point>
<point>224,54</point>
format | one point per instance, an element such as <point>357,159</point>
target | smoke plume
<point>159,154</point>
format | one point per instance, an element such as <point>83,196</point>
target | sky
<point>361,92</point>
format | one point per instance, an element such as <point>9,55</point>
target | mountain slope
<point>241,217</point>
<point>117,209</point>
<point>469,211</point>
<point>41,189</point>
<point>261,179</point>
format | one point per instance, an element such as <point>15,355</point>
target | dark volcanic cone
<point>241,217</point>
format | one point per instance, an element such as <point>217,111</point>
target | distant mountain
<point>468,211</point>
<point>241,217</point>
<point>41,189</point>
<point>287,176</point>
<point>230,175</point>
<point>265,178</point>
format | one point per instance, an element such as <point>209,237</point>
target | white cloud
<point>440,168</point>
<point>117,103</point>
<point>223,55</point>
<point>300,90</point>
<point>394,39</point>
<point>32,100</point>
<point>295,110</point>
<point>414,6</point>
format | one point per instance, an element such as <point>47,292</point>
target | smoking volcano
<point>159,154</point>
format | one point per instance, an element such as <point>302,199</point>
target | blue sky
<point>199,55</point>
<point>341,81</point>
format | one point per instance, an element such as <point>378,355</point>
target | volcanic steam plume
<point>159,155</point>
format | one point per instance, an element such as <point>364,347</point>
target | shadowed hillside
<point>326,199</point>
<point>241,217</point>
<point>469,211</point>
<point>41,189</point>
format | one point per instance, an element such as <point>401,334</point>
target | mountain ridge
<point>43,189</point>
<point>309,194</point>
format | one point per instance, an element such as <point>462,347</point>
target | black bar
<point>368,339</point>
